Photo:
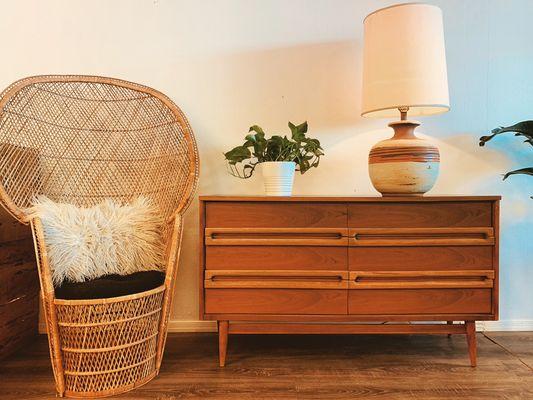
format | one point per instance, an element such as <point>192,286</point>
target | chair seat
<point>110,286</point>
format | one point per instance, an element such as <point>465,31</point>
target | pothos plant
<point>525,129</point>
<point>303,151</point>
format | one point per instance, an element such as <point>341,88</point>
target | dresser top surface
<point>345,199</point>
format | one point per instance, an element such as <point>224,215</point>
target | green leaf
<point>304,151</point>
<point>238,154</point>
<point>522,171</point>
<point>524,128</point>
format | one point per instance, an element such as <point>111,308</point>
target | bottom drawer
<point>275,301</point>
<point>419,301</point>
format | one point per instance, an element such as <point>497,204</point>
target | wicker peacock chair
<point>78,140</point>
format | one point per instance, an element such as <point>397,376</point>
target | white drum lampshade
<point>404,71</point>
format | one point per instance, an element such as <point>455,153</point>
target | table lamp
<point>404,72</point>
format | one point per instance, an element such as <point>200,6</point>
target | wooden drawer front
<point>276,257</point>
<point>420,258</point>
<point>275,301</point>
<point>275,214</point>
<point>480,236</point>
<point>276,236</point>
<point>420,215</point>
<point>421,279</point>
<point>217,279</point>
<point>419,301</point>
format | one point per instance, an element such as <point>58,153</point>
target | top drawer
<point>275,215</point>
<point>420,215</point>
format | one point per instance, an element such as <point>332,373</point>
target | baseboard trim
<point>178,326</point>
<point>506,325</point>
<point>191,326</point>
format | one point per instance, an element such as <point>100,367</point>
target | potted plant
<point>279,157</point>
<point>525,129</point>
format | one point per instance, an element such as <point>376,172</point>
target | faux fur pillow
<point>109,238</point>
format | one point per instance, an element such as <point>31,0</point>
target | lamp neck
<point>403,113</point>
<point>404,129</point>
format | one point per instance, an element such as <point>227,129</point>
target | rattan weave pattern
<point>79,140</point>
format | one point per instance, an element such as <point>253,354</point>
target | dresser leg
<point>471,340</point>
<point>222,341</point>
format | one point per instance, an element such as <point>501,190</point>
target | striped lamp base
<point>404,165</point>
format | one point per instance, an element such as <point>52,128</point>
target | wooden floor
<point>313,367</point>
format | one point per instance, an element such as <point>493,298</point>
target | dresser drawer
<point>409,258</point>
<point>276,301</point>
<point>419,301</point>
<point>420,214</point>
<point>275,215</point>
<point>276,257</point>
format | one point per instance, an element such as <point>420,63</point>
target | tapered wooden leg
<point>471,340</point>
<point>449,323</point>
<point>222,341</point>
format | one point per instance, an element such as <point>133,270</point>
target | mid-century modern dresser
<point>303,264</point>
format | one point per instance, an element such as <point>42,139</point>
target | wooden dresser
<point>302,264</point>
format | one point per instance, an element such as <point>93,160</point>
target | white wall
<point>233,63</point>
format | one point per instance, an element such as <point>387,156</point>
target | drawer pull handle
<point>421,236</point>
<point>276,279</point>
<point>421,279</point>
<point>276,236</point>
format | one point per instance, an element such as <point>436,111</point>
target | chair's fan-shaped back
<point>80,139</point>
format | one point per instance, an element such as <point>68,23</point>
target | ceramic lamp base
<point>404,165</point>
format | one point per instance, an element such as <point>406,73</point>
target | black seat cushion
<point>110,286</point>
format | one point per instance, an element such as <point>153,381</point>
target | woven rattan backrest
<point>80,139</point>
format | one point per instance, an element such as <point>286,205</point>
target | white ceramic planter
<point>278,177</point>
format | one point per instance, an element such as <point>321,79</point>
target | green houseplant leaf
<point>523,171</point>
<point>525,129</point>
<point>300,149</point>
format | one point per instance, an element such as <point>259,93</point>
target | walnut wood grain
<point>420,214</point>
<point>288,279</point>
<point>461,236</point>
<point>281,328</point>
<point>419,301</point>
<point>420,258</point>
<point>275,215</point>
<point>223,327</point>
<point>276,257</point>
<point>471,340</point>
<point>276,236</point>
<point>19,286</point>
<point>345,199</point>
<point>275,301</point>
<point>273,260</point>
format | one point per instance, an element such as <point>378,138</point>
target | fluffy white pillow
<point>108,238</point>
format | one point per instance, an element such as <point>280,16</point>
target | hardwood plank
<point>275,215</point>
<point>420,258</point>
<point>420,215</point>
<point>275,301</point>
<point>430,301</point>
<point>336,367</point>
<point>276,257</point>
